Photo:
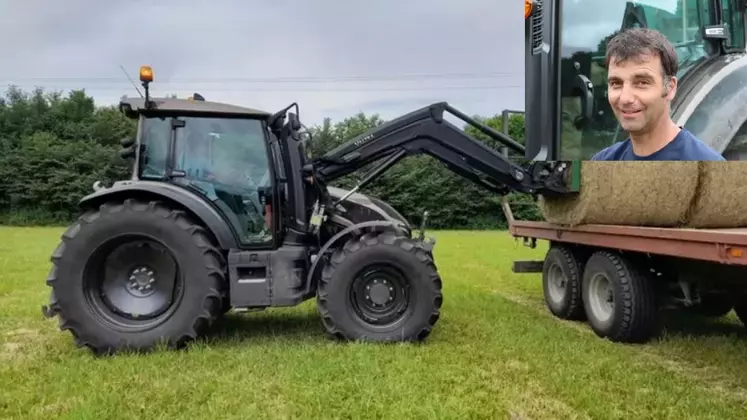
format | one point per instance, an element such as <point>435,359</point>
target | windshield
<point>205,147</point>
<point>586,28</point>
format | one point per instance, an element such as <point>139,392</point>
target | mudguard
<point>363,208</point>
<point>714,107</point>
<point>371,226</point>
<point>211,218</point>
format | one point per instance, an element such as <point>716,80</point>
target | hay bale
<point>627,193</point>
<point>721,201</point>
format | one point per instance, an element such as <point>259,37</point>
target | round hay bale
<point>721,201</point>
<point>627,193</point>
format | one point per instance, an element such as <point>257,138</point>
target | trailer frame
<point>647,268</point>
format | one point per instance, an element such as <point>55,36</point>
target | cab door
<point>228,161</point>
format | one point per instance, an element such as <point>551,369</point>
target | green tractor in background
<point>566,80</point>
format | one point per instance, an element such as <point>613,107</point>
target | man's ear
<point>670,88</point>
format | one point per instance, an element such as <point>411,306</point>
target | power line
<point>289,79</point>
<point>272,89</point>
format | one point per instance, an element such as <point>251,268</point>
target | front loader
<point>226,210</point>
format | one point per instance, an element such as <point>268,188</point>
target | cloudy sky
<point>333,57</point>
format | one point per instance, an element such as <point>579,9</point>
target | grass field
<point>496,353</point>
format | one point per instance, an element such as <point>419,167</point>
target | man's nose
<point>627,95</point>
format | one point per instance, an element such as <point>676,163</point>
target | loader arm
<point>426,131</point>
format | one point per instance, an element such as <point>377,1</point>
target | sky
<point>334,57</point>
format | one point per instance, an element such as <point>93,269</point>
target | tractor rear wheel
<point>380,287</point>
<point>132,275</point>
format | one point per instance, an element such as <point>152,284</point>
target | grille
<point>537,26</point>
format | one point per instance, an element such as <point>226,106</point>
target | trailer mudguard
<point>716,107</point>
<point>195,204</point>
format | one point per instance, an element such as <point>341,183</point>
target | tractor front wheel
<point>132,275</point>
<point>380,287</point>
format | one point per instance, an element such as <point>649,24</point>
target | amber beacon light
<point>146,74</point>
<point>528,6</point>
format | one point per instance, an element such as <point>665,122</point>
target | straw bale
<point>721,201</point>
<point>627,193</point>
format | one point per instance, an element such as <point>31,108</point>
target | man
<point>192,150</point>
<point>642,81</point>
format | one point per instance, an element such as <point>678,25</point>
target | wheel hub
<point>557,283</point>
<point>380,295</point>
<point>141,282</point>
<point>602,297</point>
<point>135,281</point>
<point>379,292</point>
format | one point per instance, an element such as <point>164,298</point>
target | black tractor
<point>226,210</point>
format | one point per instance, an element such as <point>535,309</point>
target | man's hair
<point>636,42</point>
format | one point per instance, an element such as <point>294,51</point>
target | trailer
<point>620,278</point>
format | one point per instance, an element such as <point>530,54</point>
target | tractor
<point>226,210</point>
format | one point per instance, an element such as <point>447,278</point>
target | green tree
<point>56,146</point>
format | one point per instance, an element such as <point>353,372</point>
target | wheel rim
<point>601,297</point>
<point>380,295</point>
<point>132,282</point>
<point>556,283</point>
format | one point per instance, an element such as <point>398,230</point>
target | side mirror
<point>585,89</point>
<point>277,122</point>
<point>295,123</point>
<point>127,142</point>
<point>129,152</point>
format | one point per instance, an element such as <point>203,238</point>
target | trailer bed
<point>618,277</point>
<point>724,246</point>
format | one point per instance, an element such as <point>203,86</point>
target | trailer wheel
<point>561,282</point>
<point>619,301</point>
<point>380,287</point>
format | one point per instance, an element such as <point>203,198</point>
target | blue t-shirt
<point>685,146</point>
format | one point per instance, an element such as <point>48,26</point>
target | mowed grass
<point>496,353</point>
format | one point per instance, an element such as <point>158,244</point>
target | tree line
<point>56,146</point>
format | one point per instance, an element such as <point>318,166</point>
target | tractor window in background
<point>588,123</point>
<point>154,135</point>
<point>227,159</point>
<point>734,24</point>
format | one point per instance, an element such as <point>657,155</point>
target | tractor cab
<point>565,50</point>
<point>216,150</point>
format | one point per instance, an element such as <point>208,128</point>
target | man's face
<point>638,92</point>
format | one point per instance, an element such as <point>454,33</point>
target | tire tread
<point>213,260</point>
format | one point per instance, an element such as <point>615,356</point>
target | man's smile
<point>630,113</point>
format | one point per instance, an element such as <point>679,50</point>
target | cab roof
<point>134,106</point>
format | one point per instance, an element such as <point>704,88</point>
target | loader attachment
<point>426,131</point>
